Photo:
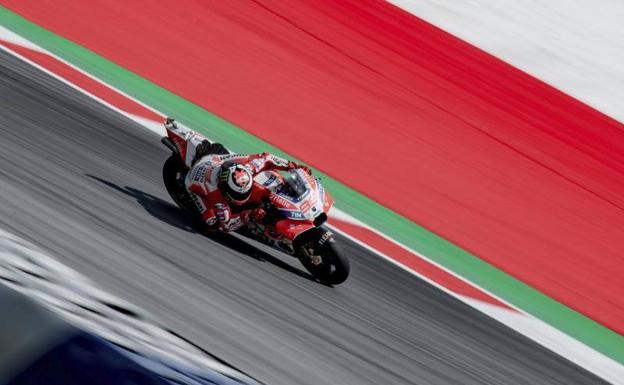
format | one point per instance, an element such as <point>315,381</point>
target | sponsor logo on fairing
<point>279,161</point>
<point>295,214</point>
<point>280,202</point>
<point>269,180</point>
<point>328,236</point>
<point>231,156</point>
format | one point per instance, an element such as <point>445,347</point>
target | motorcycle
<point>296,209</point>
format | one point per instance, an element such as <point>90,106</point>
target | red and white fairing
<point>300,199</point>
<point>186,141</point>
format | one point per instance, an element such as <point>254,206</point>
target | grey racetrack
<point>84,184</point>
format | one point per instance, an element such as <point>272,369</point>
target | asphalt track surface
<point>84,184</point>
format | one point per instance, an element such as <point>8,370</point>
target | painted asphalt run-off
<point>341,222</point>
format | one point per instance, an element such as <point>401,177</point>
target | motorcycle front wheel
<point>327,263</point>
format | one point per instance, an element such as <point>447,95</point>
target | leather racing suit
<point>202,182</point>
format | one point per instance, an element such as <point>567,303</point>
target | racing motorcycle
<point>296,209</point>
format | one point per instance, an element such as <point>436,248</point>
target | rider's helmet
<point>235,182</point>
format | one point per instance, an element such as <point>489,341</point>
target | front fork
<point>311,248</point>
<point>309,253</point>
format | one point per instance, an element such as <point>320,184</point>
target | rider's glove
<point>201,150</point>
<point>254,215</point>
<point>292,165</point>
<point>257,214</point>
<point>223,212</point>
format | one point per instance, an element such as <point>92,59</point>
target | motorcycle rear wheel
<point>174,172</point>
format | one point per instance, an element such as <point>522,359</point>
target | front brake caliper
<point>309,253</point>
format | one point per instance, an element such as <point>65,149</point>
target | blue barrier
<point>37,347</point>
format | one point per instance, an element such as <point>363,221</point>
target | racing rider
<point>222,186</point>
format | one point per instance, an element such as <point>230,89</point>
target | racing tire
<point>174,172</point>
<point>334,267</point>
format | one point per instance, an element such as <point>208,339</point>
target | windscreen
<point>296,185</point>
